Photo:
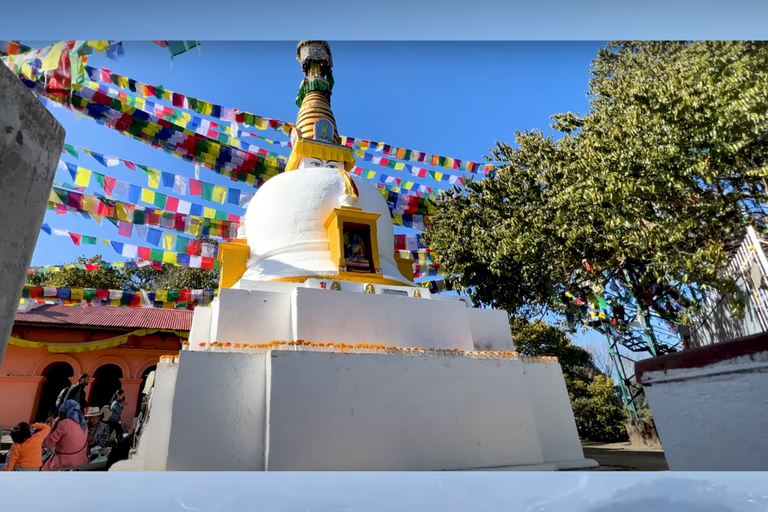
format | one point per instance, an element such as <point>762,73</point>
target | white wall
<point>335,316</point>
<point>200,332</point>
<point>376,412</point>
<point>153,445</point>
<point>713,418</point>
<point>243,316</point>
<point>219,413</point>
<point>555,424</point>
<point>490,329</point>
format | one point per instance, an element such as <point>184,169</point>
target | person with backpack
<point>116,408</point>
<point>75,392</point>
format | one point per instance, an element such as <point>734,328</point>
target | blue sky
<point>453,99</point>
<point>449,98</point>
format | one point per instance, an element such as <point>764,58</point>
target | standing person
<point>118,402</point>
<point>68,437</point>
<point>27,450</point>
<point>77,393</point>
<point>98,430</point>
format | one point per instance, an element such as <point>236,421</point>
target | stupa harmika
<point>302,362</point>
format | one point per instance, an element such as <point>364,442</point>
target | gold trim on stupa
<point>315,134</point>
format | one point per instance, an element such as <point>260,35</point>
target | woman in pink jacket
<point>69,438</point>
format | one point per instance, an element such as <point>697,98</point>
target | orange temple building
<point>52,345</point>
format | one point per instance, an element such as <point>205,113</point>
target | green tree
<point>647,192</point>
<point>146,278</point>
<point>597,406</point>
<point>106,277</point>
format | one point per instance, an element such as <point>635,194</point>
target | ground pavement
<point>625,457</point>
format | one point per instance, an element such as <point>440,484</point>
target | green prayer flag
<point>179,47</point>
<point>71,150</point>
<point>156,255</point>
<point>88,240</point>
<point>160,200</point>
<point>181,244</point>
<point>89,293</point>
<point>208,191</point>
<point>173,295</point>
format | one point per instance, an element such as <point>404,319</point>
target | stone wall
<point>30,145</point>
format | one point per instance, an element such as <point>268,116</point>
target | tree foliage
<point>146,278</point>
<point>651,189</point>
<point>596,404</point>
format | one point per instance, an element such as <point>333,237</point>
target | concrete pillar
<point>30,145</point>
<point>132,388</point>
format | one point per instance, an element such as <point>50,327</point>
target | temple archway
<point>57,376</point>
<point>106,382</point>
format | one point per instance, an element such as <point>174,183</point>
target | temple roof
<point>108,316</point>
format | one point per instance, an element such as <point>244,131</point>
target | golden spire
<point>315,134</point>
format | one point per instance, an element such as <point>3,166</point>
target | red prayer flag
<point>76,238</point>
<point>109,185</point>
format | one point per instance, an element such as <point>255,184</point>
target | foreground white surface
<point>294,411</point>
<point>710,406</point>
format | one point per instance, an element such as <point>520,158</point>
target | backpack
<point>61,398</point>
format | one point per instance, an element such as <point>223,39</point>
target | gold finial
<point>417,294</point>
<point>369,288</point>
<point>314,99</point>
<point>315,134</point>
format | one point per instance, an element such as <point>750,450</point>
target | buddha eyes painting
<point>357,247</point>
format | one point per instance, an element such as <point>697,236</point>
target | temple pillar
<point>132,389</point>
<point>24,394</point>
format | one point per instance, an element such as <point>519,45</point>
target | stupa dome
<point>286,232</point>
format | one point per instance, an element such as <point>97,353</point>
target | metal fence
<point>716,323</point>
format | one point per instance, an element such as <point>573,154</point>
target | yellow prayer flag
<point>82,177</point>
<point>122,82</point>
<point>207,108</point>
<point>250,179</point>
<point>53,197</point>
<point>99,46</point>
<point>169,257</point>
<point>399,166</point>
<point>26,70</point>
<point>161,295</point>
<point>168,241</point>
<point>77,293</point>
<point>51,60</point>
<point>209,213</point>
<point>219,194</point>
<point>114,302</point>
<point>120,210</point>
<point>89,204</point>
<point>148,196</point>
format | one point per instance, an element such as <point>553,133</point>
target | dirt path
<point>625,457</point>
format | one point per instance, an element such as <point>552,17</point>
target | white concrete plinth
<point>318,411</point>
<point>291,312</point>
<point>710,405</point>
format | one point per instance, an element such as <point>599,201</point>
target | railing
<point>749,267</point>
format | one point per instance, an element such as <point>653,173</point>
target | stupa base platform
<point>282,410</point>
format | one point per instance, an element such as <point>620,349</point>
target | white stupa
<point>320,353</point>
